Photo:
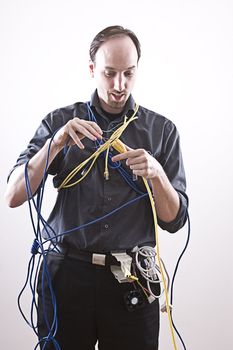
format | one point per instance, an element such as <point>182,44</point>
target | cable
<point>145,258</point>
<point>39,242</point>
<point>102,147</point>
<point>160,263</point>
<point>98,219</point>
<point>174,275</point>
<point>38,248</point>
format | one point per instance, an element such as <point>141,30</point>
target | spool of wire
<point>145,258</point>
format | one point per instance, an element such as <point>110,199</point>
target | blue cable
<point>22,290</point>
<point>113,165</point>
<point>98,219</point>
<point>39,242</point>
<point>174,276</point>
<point>38,248</point>
<point>31,198</point>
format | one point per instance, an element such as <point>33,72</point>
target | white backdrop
<point>186,74</point>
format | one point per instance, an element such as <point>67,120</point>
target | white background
<point>186,74</point>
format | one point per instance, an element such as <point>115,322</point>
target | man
<point>91,304</point>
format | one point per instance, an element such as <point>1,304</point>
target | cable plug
<point>132,277</point>
<point>119,146</point>
<point>106,175</point>
<point>164,307</point>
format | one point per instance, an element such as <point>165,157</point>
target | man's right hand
<point>75,130</point>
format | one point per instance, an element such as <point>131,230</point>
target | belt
<point>94,258</point>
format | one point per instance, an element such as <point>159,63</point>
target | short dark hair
<point>108,33</point>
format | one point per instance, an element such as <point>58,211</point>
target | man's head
<point>114,55</point>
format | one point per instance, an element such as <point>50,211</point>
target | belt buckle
<point>98,259</point>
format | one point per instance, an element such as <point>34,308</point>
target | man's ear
<point>91,68</point>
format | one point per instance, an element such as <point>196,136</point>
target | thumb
<point>128,148</point>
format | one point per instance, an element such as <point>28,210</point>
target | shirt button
<point>106,226</point>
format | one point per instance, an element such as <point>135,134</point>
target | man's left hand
<point>140,162</point>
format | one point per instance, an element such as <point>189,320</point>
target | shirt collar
<point>128,108</point>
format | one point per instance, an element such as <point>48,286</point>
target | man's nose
<point>119,82</point>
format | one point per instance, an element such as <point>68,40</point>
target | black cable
<point>173,280</point>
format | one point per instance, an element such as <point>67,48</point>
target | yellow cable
<point>105,147</point>
<point>159,261</point>
<point>115,136</point>
<point>106,172</point>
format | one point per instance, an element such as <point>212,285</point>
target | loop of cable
<point>40,252</point>
<point>102,148</point>
<point>145,258</point>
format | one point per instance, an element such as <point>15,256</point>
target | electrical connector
<point>164,307</point>
<point>106,175</point>
<point>119,146</point>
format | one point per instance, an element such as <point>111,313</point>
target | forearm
<point>166,198</point>
<point>70,134</point>
<point>16,190</point>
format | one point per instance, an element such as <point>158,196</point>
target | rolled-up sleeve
<point>42,133</point>
<point>172,163</point>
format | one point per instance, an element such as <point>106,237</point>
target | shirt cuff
<point>180,220</point>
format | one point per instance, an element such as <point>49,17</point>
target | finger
<point>137,160</point>
<point>141,172</point>
<point>76,139</point>
<point>96,127</point>
<point>83,131</point>
<point>129,154</point>
<point>93,128</point>
<point>138,166</point>
<point>88,128</point>
<point>128,148</point>
<point>120,156</point>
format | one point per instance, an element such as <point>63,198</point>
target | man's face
<point>114,70</point>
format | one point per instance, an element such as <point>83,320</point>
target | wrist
<point>54,147</point>
<point>158,173</point>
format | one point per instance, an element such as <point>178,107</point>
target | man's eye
<point>129,74</point>
<point>109,74</point>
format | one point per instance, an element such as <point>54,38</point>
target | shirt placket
<point>108,192</point>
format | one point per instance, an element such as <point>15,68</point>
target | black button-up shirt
<point>95,197</point>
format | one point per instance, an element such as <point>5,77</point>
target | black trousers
<point>91,307</point>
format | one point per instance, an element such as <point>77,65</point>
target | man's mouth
<point>118,97</point>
